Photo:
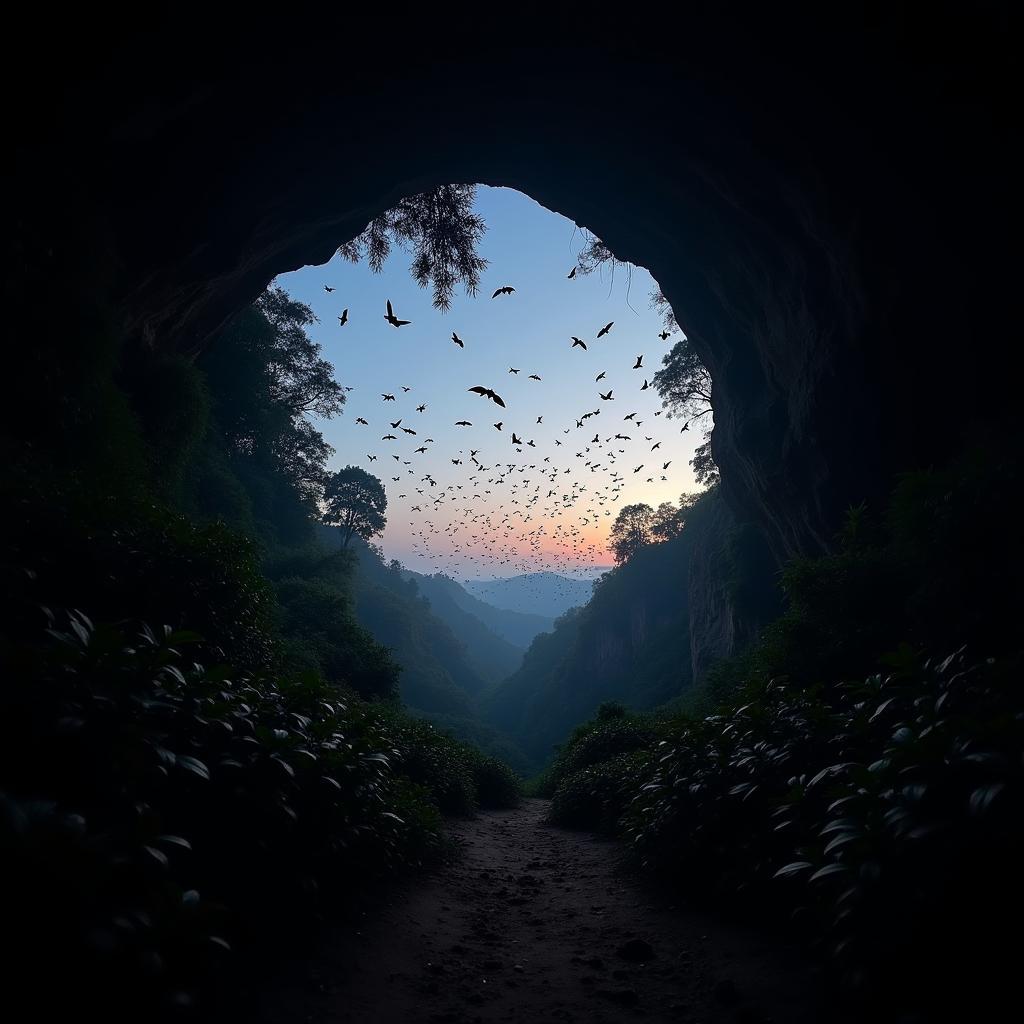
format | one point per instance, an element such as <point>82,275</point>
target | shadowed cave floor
<point>534,923</point>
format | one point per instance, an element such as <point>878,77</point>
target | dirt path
<point>533,924</point>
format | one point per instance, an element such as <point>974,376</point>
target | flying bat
<point>507,290</point>
<point>343,319</point>
<point>487,393</point>
<point>604,330</point>
<point>458,341</point>
<point>392,319</point>
<point>463,423</point>
<point>578,342</point>
<point>607,397</point>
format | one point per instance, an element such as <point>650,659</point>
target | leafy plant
<point>884,816</point>
<point>158,812</point>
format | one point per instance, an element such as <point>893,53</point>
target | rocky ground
<point>535,923</point>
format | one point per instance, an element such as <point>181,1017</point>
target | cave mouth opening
<point>435,259</point>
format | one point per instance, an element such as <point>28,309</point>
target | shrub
<point>438,763</point>
<point>155,812</point>
<point>596,741</point>
<point>497,786</point>
<point>596,796</point>
<point>885,816</point>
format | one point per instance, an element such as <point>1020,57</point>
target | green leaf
<point>194,765</point>
<point>982,797</point>
<point>793,869</point>
<point>828,870</point>
<point>179,841</point>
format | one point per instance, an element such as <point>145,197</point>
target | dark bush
<point>886,817</point>
<point>595,742</point>
<point>497,786</point>
<point>156,812</point>
<point>595,797</point>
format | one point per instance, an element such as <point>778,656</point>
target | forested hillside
<point>629,643</point>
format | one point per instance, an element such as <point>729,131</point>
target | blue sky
<point>498,521</point>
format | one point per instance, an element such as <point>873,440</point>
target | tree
<point>669,521</point>
<point>685,388</point>
<point>355,502</point>
<point>684,382</point>
<point>442,231</point>
<point>705,470</point>
<point>266,375</point>
<point>297,377</point>
<point>631,531</point>
<point>666,523</point>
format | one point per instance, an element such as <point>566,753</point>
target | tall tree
<point>355,502</point>
<point>684,382</point>
<point>630,531</point>
<point>685,388</point>
<point>266,375</point>
<point>668,521</point>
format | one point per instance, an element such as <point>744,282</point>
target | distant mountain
<point>518,628</point>
<point>537,593</point>
<point>489,653</point>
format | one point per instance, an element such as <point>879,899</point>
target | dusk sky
<point>485,519</point>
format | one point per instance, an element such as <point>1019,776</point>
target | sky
<point>511,511</point>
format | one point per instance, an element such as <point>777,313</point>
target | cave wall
<point>824,197</point>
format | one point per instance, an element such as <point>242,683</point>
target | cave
<point>782,180</point>
<point>826,198</point>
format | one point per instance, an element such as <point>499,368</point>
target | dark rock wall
<point>825,203</point>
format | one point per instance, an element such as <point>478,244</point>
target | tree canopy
<point>355,502</point>
<point>631,531</point>
<point>442,232</point>
<point>685,388</point>
<point>265,374</point>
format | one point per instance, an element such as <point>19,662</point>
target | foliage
<point>265,375</point>
<point>157,812</point>
<point>457,776</point>
<point>443,233</point>
<point>607,735</point>
<point>884,815</point>
<point>631,531</point>
<point>497,785</point>
<point>899,575</point>
<point>117,553</point>
<point>596,796</point>
<point>321,635</point>
<point>355,502</point>
<point>683,382</point>
<point>705,469</point>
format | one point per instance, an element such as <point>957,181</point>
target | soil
<point>535,923</point>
